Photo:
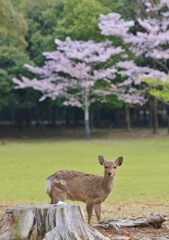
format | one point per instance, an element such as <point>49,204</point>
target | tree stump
<point>47,222</point>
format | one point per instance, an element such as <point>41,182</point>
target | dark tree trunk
<point>144,117</point>
<point>92,119</point>
<point>127,113</point>
<point>97,118</point>
<point>150,113</point>
<point>27,117</point>
<point>168,119</point>
<point>138,117</point>
<point>75,117</point>
<point>67,117</point>
<point>117,118</point>
<point>54,116</point>
<point>20,120</point>
<point>50,118</point>
<point>12,116</point>
<point>155,115</point>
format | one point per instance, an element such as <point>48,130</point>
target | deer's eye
<point>105,166</point>
<point>115,167</point>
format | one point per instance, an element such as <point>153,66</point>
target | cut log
<point>47,222</point>
<point>153,220</point>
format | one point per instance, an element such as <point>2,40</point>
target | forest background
<point>28,28</point>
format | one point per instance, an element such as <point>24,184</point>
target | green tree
<point>13,28</point>
<point>114,5</point>
<point>80,20</point>
<point>42,17</point>
<point>158,89</point>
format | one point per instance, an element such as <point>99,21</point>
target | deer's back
<point>81,186</point>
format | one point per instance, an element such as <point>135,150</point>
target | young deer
<point>88,188</point>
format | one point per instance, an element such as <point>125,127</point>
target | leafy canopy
<point>80,20</point>
<point>13,26</point>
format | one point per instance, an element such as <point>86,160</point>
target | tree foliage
<point>13,26</point>
<point>42,17</point>
<point>81,22</point>
<point>158,89</point>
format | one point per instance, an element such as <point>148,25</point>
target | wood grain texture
<point>47,222</point>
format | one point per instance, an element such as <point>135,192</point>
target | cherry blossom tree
<point>72,71</point>
<point>153,38</point>
<point>150,41</point>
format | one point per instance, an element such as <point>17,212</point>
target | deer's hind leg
<point>58,191</point>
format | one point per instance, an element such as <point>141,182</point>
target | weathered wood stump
<point>47,222</point>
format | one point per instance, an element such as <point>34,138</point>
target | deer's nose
<point>109,173</point>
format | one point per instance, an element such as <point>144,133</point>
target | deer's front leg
<point>97,209</point>
<point>89,208</point>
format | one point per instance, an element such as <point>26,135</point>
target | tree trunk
<point>75,117</point>
<point>155,115</point>
<point>20,120</point>
<point>47,222</point>
<point>67,117</point>
<point>117,118</point>
<point>92,120</point>
<point>87,125</point>
<point>54,116</point>
<point>27,117</point>
<point>150,113</point>
<point>11,116</point>
<point>137,118</point>
<point>144,117</point>
<point>168,119</point>
<point>127,113</point>
<point>86,117</point>
<point>97,119</point>
<point>50,117</point>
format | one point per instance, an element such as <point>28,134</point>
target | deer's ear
<point>119,161</point>
<point>102,160</point>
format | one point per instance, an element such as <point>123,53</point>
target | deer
<point>79,186</point>
<point>3,142</point>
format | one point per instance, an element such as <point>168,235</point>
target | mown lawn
<point>144,176</point>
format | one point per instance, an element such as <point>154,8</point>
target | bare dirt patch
<point>9,133</point>
<point>145,233</point>
<point>134,211</point>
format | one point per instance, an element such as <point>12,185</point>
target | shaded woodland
<point>28,28</point>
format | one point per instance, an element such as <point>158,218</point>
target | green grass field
<point>144,176</point>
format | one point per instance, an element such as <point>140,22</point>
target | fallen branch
<point>153,220</point>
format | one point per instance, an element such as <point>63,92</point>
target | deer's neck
<point>108,183</point>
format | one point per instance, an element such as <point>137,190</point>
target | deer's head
<point>110,166</point>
